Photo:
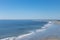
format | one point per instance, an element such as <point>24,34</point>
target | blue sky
<point>29,9</point>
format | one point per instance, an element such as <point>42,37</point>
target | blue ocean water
<point>9,28</point>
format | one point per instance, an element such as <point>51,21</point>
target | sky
<point>29,9</point>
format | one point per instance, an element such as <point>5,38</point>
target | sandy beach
<point>52,33</point>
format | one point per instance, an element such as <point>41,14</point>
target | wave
<point>29,35</point>
<point>44,27</point>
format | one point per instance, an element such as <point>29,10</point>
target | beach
<point>52,32</point>
<point>29,19</point>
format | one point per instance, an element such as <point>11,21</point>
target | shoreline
<point>52,33</point>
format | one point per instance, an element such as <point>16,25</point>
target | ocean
<point>16,29</point>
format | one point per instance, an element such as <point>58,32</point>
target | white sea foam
<point>29,35</point>
<point>44,27</point>
<point>21,37</point>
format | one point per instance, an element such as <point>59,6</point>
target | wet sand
<point>52,33</point>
